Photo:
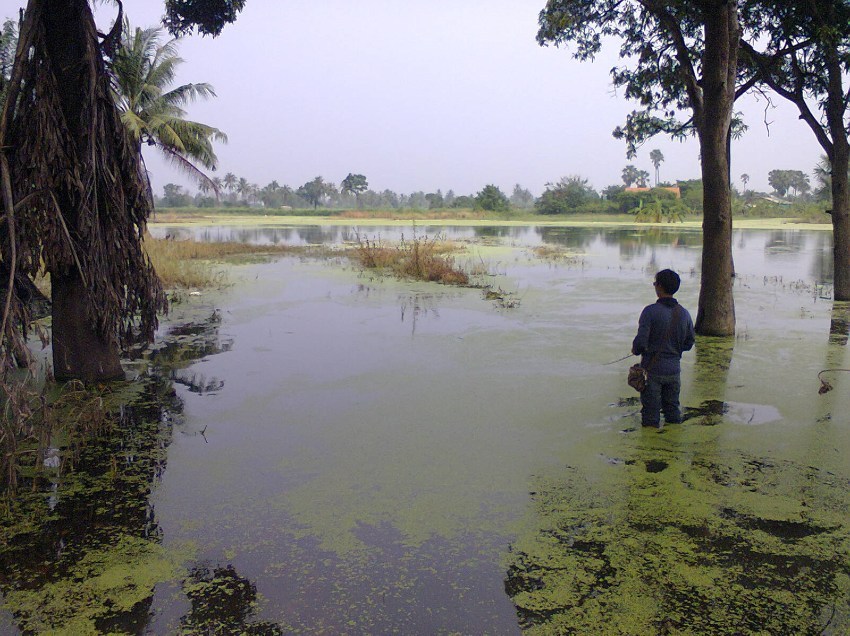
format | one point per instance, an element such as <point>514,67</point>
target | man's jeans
<point>661,394</point>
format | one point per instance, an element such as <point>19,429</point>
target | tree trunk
<point>80,350</point>
<point>841,220</point>
<point>716,312</point>
<point>839,158</point>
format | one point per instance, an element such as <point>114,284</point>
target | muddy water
<point>364,455</point>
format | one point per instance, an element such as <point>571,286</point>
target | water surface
<point>361,454</point>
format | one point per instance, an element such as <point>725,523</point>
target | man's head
<point>667,282</point>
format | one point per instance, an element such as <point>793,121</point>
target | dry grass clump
<point>188,263</point>
<point>420,259</point>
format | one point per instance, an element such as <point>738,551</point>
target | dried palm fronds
<point>82,194</point>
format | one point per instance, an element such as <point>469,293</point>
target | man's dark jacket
<point>660,345</point>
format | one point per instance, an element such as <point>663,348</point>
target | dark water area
<point>316,449</point>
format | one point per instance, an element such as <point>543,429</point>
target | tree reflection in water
<point>82,553</point>
<point>223,603</point>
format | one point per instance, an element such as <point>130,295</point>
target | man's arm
<point>641,341</point>
<point>690,336</point>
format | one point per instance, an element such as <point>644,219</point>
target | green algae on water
<point>107,581</point>
<point>702,543</point>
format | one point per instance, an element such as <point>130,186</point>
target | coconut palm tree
<point>243,188</point>
<point>143,70</point>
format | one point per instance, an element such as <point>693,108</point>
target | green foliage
<point>655,205</point>
<point>692,195</point>
<point>492,199</point>
<point>463,201</point>
<point>567,196</point>
<point>143,70</point>
<point>657,158</point>
<point>801,211</point>
<point>611,191</point>
<point>633,176</point>
<point>316,191</point>
<point>209,16</point>
<point>521,197</point>
<point>783,181</point>
<point>175,197</point>
<point>435,200</point>
<point>354,184</point>
<point>655,80</point>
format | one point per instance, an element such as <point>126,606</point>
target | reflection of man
<point>665,330</point>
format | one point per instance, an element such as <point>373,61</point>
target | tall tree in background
<point>355,184</point>
<point>630,175</point>
<point>804,56</point>
<point>492,198</point>
<point>74,190</point>
<point>656,158</point>
<point>144,69</point>
<point>685,56</point>
<point>230,182</point>
<point>315,191</point>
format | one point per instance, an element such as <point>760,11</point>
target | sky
<point>427,95</point>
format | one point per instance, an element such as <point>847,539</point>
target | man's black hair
<point>668,280</point>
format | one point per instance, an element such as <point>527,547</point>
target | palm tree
<point>143,69</point>
<point>656,158</point>
<point>243,188</point>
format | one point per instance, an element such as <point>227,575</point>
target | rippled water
<point>366,455</point>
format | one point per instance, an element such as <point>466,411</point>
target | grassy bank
<point>192,264</point>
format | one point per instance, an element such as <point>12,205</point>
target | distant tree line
<point>572,194</point>
<point>353,192</point>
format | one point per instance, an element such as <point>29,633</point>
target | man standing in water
<point>665,330</point>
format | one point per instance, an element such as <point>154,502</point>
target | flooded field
<point>315,449</point>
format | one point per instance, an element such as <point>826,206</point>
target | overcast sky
<point>426,94</point>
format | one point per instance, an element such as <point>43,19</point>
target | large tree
<point>355,184</point>
<point>684,56</point>
<point>316,191</point>
<point>76,199</point>
<point>801,50</point>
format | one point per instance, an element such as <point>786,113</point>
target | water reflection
<point>415,307</point>
<point>777,253</point>
<point>839,324</point>
<point>86,559</point>
<point>223,603</point>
